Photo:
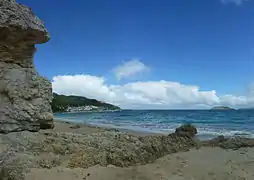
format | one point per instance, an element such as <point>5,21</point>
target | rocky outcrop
<point>48,149</point>
<point>25,97</point>
<point>230,142</point>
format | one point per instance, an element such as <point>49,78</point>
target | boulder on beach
<point>186,130</point>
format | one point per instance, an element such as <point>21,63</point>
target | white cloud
<point>237,2</point>
<point>84,85</point>
<point>149,94</point>
<point>250,90</point>
<point>237,101</point>
<point>130,69</point>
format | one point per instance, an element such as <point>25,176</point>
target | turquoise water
<point>209,123</point>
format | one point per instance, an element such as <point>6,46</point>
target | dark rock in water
<point>186,130</point>
<point>25,96</point>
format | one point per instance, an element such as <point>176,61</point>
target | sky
<point>164,54</point>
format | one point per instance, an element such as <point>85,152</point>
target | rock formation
<point>236,142</point>
<point>47,149</point>
<point>186,130</point>
<point>25,96</point>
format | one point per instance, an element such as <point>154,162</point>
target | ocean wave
<point>148,122</point>
<point>203,133</point>
<point>228,133</point>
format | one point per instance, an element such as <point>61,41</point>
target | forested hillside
<point>61,103</point>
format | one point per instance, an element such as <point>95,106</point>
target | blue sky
<point>209,44</point>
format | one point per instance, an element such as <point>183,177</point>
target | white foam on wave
<point>207,133</point>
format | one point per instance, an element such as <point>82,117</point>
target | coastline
<point>202,135</point>
<point>63,125</point>
<point>210,124</point>
<point>80,151</point>
<point>88,111</point>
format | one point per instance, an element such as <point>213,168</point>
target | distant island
<point>221,108</point>
<point>62,103</point>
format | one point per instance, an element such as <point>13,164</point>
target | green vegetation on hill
<point>60,103</point>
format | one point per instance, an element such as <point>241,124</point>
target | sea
<point>210,123</point>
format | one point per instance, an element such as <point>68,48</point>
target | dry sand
<point>203,164</point>
<point>206,163</point>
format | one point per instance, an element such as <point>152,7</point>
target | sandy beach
<point>205,163</point>
<point>63,153</point>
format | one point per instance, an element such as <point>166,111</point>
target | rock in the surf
<point>186,130</point>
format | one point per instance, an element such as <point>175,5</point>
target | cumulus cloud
<point>130,69</point>
<point>237,2</point>
<point>148,94</point>
<point>250,90</point>
<point>83,85</point>
<point>237,101</point>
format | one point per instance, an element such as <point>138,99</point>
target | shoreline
<point>202,137</point>
<point>231,142</point>
<point>85,127</point>
<point>88,111</point>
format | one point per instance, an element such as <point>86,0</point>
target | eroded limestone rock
<point>25,96</point>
